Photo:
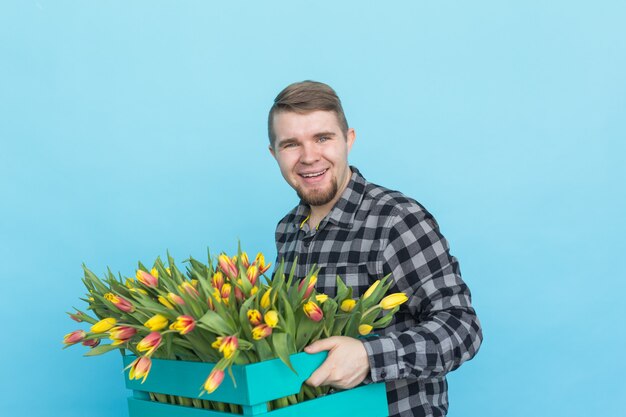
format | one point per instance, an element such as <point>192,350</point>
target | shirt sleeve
<point>442,329</point>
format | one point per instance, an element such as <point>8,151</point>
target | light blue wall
<point>130,128</point>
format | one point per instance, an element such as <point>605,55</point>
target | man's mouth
<point>314,174</point>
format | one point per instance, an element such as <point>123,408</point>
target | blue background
<point>130,128</point>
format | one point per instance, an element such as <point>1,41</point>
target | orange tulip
<point>150,343</point>
<point>140,368</point>
<point>183,324</point>
<point>74,337</point>
<point>147,278</point>
<point>214,380</point>
<point>119,302</point>
<point>228,266</point>
<point>121,334</point>
<point>313,311</point>
<point>261,331</point>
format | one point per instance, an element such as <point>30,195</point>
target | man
<point>362,232</point>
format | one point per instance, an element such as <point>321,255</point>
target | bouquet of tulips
<point>225,312</point>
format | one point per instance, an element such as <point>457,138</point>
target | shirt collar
<point>344,211</point>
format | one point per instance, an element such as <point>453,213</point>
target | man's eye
<point>323,139</point>
<point>289,145</point>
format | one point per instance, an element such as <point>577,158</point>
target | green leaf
<point>343,291</point>
<point>281,347</point>
<point>213,322</point>
<point>99,350</point>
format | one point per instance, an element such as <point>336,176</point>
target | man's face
<point>312,153</point>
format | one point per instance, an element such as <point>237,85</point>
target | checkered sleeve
<point>437,329</point>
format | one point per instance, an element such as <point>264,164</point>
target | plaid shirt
<point>369,233</point>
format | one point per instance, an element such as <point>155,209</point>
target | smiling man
<point>362,232</point>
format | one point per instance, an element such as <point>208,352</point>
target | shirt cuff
<point>383,359</point>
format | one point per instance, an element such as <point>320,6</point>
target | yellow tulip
<point>103,325</point>
<point>165,302</point>
<point>156,322</point>
<point>371,289</point>
<point>320,298</point>
<point>348,305</point>
<point>393,300</point>
<point>265,300</point>
<point>271,318</point>
<point>364,329</point>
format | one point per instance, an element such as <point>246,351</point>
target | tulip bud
<point>244,260</point>
<point>228,266</point>
<point>365,329</point>
<point>121,334</point>
<point>254,317</point>
<point>238,293</point>
<point>140,368</point>
<point>156,323</point>
<point>310,286</point>
<point>254,290</point>
<point>176,299</point>
<point>150,343</point>
<point>225,293</point>
<point>147,279</point>
<point>218,280</point>
<point>265,300</point>
<point>226,345</point>
<point>119,302</point>
<point>183,324</point>
<point>154,272</point>
<point>320,298</point>
<point>103,325</point>
<point>313,311</point>
<point>252,273</point>
<point>371,289</point>
<point>271,318</point>
<point>166,303</point>
<point>348,305</point>
<point>261,331</point>
<point>214,380</point>
<point>393,300</point>
<point>77,317</point>
<point>188,287</point>
<point>260,262</point>
<point>74,337</point>
<point>92,343</point>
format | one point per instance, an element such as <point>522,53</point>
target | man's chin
<point>318,198</point>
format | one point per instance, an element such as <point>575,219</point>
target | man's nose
<point>310,154</point>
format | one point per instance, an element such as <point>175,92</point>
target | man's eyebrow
<point>320,134</point>
<point>281,142</point>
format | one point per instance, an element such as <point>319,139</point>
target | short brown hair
<point>306,97</point>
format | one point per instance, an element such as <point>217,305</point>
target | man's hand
<point>345,367</point>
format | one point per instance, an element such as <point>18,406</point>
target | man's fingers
<point>321,345</point>
<point>320,376</point>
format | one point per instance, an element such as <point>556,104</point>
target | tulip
<point>147,279</point>
<point>77,317</point>
<point>260,262</point>
<point>227,345</point>
<point>393,300</point>
<point>103,325</point>
<point>320,298</point>
<point>74,337</point>
<point>92,343</point>
<point>254,290</point>
<point>310,286</point>
<point>140,368</point>
<point>238,293</point>
<point>150,343</point>
<point>156,323</point>
<point>165,302</point>
<point>271,318</point>
<point>218,280</point>
<point>214,380</point>
<point>225,293</point>
<point>348,305</point>
<point>176,299</point>
<point>121,334</point>
<point>154,272</point>
<point>228,266</point>
<point>252,273</point>
<point>365,329</point>
<point>189,289</point>
<point>183,324</point>
<point>254,317</point>
<point>313,311</point>
<point>244,260</point>
<point>261,331</point>
<point>371,289</point>
<point>119,302</point>
<point>265,300</point>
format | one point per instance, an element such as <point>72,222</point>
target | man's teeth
<point>315,174</point>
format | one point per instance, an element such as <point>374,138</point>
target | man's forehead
<point>289,124</point>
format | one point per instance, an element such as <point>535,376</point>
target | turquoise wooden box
<point>257,384</point>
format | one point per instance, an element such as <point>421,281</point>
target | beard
<point>319,197</point>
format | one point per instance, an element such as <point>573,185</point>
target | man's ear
<point>271,148</point>
<point>350,138</point>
